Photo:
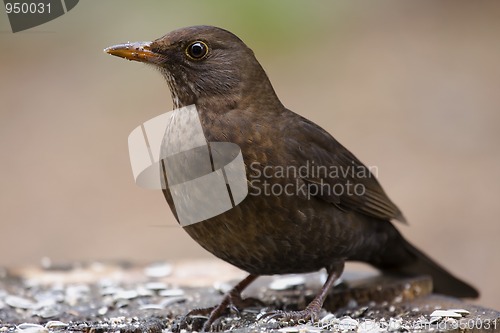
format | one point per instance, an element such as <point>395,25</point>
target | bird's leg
<point>232,299</point>
<point>312,310</point>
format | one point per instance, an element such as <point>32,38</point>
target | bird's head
<point>202,64</point>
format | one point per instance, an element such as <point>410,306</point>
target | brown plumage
<point>277,234</point>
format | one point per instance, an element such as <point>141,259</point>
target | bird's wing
<point>335,174</point>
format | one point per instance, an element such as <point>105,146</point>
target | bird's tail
<point>414,262</point>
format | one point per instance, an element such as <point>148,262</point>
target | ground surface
<point>97,297</point>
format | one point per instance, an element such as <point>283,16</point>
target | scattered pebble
<point>171,292</point>
<point>156,286</point>
<point>77,293</point>
<point>55,324</point>
<point>463,312</point>
<point>394,324</point>
<point>398,299</point>
<point>144,292</point>
<point>158,270</point>
<point>151,306</point>
<point>126,295</point>
<point>110,290</point>
<point>47,312</point>
<point>49,297</point>
<point>117,320</point>
<point>451,322</point>
<point>328,318</point>
<point>223,287</point>
<point>19,302</point>
<point>102,310</point>
<point>347,323</point>
<point>289,282</point>
<point>31,328</point>
<point>172,300</point>
<point>24,326</point>
<point>446,313</point>
<point>448,317</point>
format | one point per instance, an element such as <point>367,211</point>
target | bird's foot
<point>232,301</point>
<point>208,317</point>
<point>311,312</point>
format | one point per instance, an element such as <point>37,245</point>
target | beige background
<point>411,87</point>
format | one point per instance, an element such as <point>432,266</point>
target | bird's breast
<point>278,228</point>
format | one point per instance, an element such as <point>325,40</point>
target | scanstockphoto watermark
<point>309,179</point>
<point>398,324</point>
<point>205,179</point>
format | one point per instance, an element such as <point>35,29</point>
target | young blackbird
<point>280,233</point>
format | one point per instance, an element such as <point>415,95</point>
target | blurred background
<point>410,87</point>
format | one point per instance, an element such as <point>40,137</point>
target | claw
<point>310,313</point>
<point>204,312</point>
<point>192,318</point>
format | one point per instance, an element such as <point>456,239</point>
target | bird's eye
<point>197,50</point>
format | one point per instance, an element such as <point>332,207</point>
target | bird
<point>315,227</point>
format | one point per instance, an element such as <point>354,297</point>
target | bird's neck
<point>239,117</point>
<point>254,92</point>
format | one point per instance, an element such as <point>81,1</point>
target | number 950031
<point>27,8</point>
